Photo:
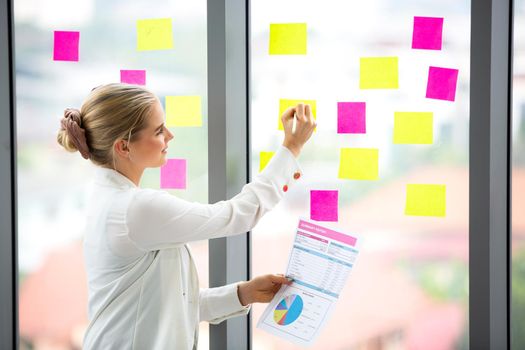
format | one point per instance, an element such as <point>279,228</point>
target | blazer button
<point>297,175</point>
<point>285,188</point>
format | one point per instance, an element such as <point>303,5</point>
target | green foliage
<point>443,280</point>
<point>518,301</point>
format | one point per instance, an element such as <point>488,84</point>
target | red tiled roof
<point>382,210</point>
<point>53,299</point>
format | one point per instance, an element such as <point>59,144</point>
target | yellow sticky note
<point>154,34</point>
<point>288,39</point>
<point>378,73</point>
<point>359,164</point>
<point>413,128</point>
<point>426,200</point>
<point>285,104</point>
<point>183,111</point>
<point>264,159</point>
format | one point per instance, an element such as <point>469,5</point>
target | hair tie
<point>71,123</point>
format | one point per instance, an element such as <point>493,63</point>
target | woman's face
<point>150,148</point>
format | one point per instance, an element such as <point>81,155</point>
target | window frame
<point>490,173</point>
<point>8,204</point>
<point>228,151</point>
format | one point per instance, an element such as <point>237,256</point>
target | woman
<point>143,285</point>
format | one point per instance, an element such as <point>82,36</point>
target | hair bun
<point>71,135</point>
<point>73,114</point>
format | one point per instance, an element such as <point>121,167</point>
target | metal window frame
<point>8,244</point>
<point>490,175</point>
<point>228,151</point>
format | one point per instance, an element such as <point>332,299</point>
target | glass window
<point>410,284</point>
<point>518,180</point>
<point>52,184</point>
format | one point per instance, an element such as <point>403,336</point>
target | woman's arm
<point>219,304</point>
<point>157,219</point>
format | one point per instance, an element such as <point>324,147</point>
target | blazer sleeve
<point>157,219</point>
<point>220,303</point>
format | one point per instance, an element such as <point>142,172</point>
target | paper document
<point>320,263</point>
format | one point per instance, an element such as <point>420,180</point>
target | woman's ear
<point>121,148</point>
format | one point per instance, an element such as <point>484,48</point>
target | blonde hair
<point>110,112</point>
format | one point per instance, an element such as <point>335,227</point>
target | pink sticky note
<point>137,77</point>
<point>442,83</point>
<point>65,47</point>
<point>324,205</point>
<point>173,174</point>
<point>351,117</point>
<point>428,32</point>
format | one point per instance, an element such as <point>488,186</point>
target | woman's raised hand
<point>294,139</point>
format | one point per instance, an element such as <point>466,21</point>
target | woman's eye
<point>161,131</point>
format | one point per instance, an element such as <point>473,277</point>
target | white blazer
<point>143,285</point>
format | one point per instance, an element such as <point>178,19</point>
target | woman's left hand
<point>260,289</point>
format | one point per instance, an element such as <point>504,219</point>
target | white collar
<point>110,177</point>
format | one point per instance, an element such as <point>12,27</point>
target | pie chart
<point>288,309</point>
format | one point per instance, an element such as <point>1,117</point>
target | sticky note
<point>378,73</point>
<point>65,45</point>
<point>137,77</point>
<point>426,200</point>
<point>427,33</point>
<point>324,205</point>
<point>264,158</point>
<point>413,128</point>
<point>183,111</point>
<point>284,104</point>
<point>288,39</point>
<point>359,164</point>
<point>173,174</point>
<point>442,83</point>
<point>351,117</point>
<point>154,34</point>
